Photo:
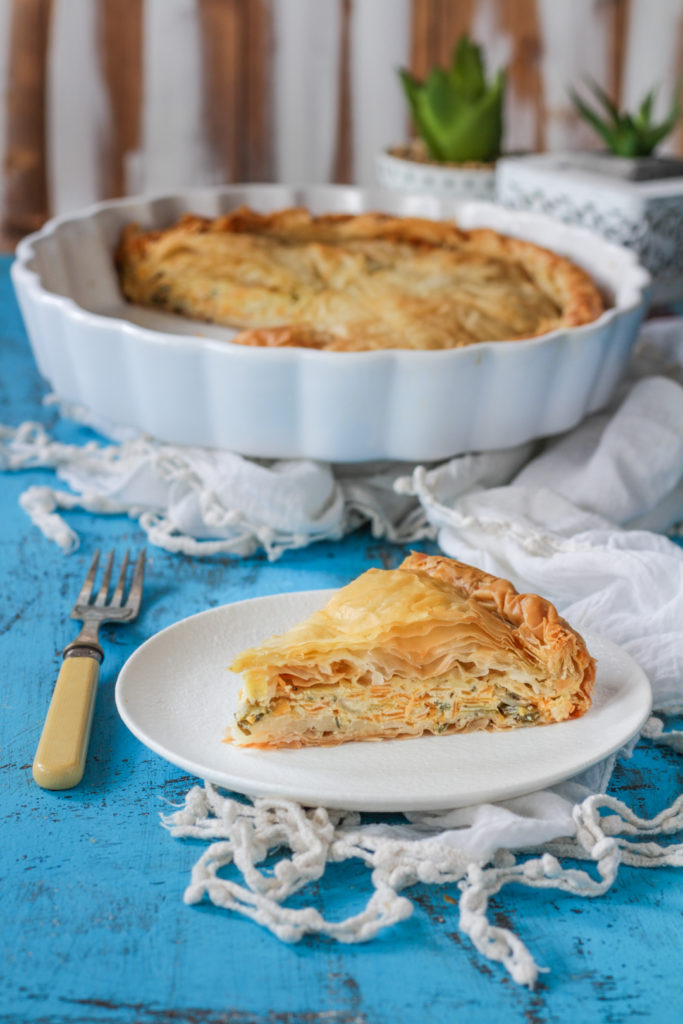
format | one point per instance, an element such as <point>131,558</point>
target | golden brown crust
<point>344,282</point>
<point>531,614</point>
<point>494,592</point>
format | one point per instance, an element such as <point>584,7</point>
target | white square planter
<point>646,216</point>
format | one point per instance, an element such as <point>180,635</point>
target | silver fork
<point>60,758</point>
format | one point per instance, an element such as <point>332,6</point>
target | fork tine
<point>86,589</point>
<point>104,589</point>
<point>117,596</point>
<point>135,595</point>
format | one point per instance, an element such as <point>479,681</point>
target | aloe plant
<point>456,113</point>
<point>625,134</point>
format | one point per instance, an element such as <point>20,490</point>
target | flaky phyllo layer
<point>349,283</point>
<point>432,647</point>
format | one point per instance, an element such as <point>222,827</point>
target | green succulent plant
<point>456,113</point>
<point>627,134</point>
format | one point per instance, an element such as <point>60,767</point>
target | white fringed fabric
<point>202,502</point>
<point>398,857</point>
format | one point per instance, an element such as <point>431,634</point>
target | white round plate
<point>177,696</point>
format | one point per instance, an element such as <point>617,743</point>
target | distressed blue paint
<point>93,925</point>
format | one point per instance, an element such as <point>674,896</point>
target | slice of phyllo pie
<point>434,646</point>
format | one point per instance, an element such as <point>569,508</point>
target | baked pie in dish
<point>184,382</point>
<point>434,646</point>
<point>353,282</point>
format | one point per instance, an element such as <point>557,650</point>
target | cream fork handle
<point>60,758</point>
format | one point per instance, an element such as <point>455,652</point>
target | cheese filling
<point>452,701</point>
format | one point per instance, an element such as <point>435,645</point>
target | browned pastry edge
<point>529,613</point>
<point>575,291</point>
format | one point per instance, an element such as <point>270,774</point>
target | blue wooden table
<point>93,924</point>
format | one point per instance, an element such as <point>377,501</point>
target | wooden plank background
<point>191,92</point>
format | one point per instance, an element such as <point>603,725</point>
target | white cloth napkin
<point>572,521</point>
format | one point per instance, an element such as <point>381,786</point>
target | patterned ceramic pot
<point>451,181</point>
<point>645,215</point>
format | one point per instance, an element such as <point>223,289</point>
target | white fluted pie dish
<point>184,382</point>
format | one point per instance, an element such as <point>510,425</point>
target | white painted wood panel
<point>76,106</point>
<point>380,45</point>
<point>576,43</point>
<point>306,80</point>
<point>653,54</point>
<point>173,154</point>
